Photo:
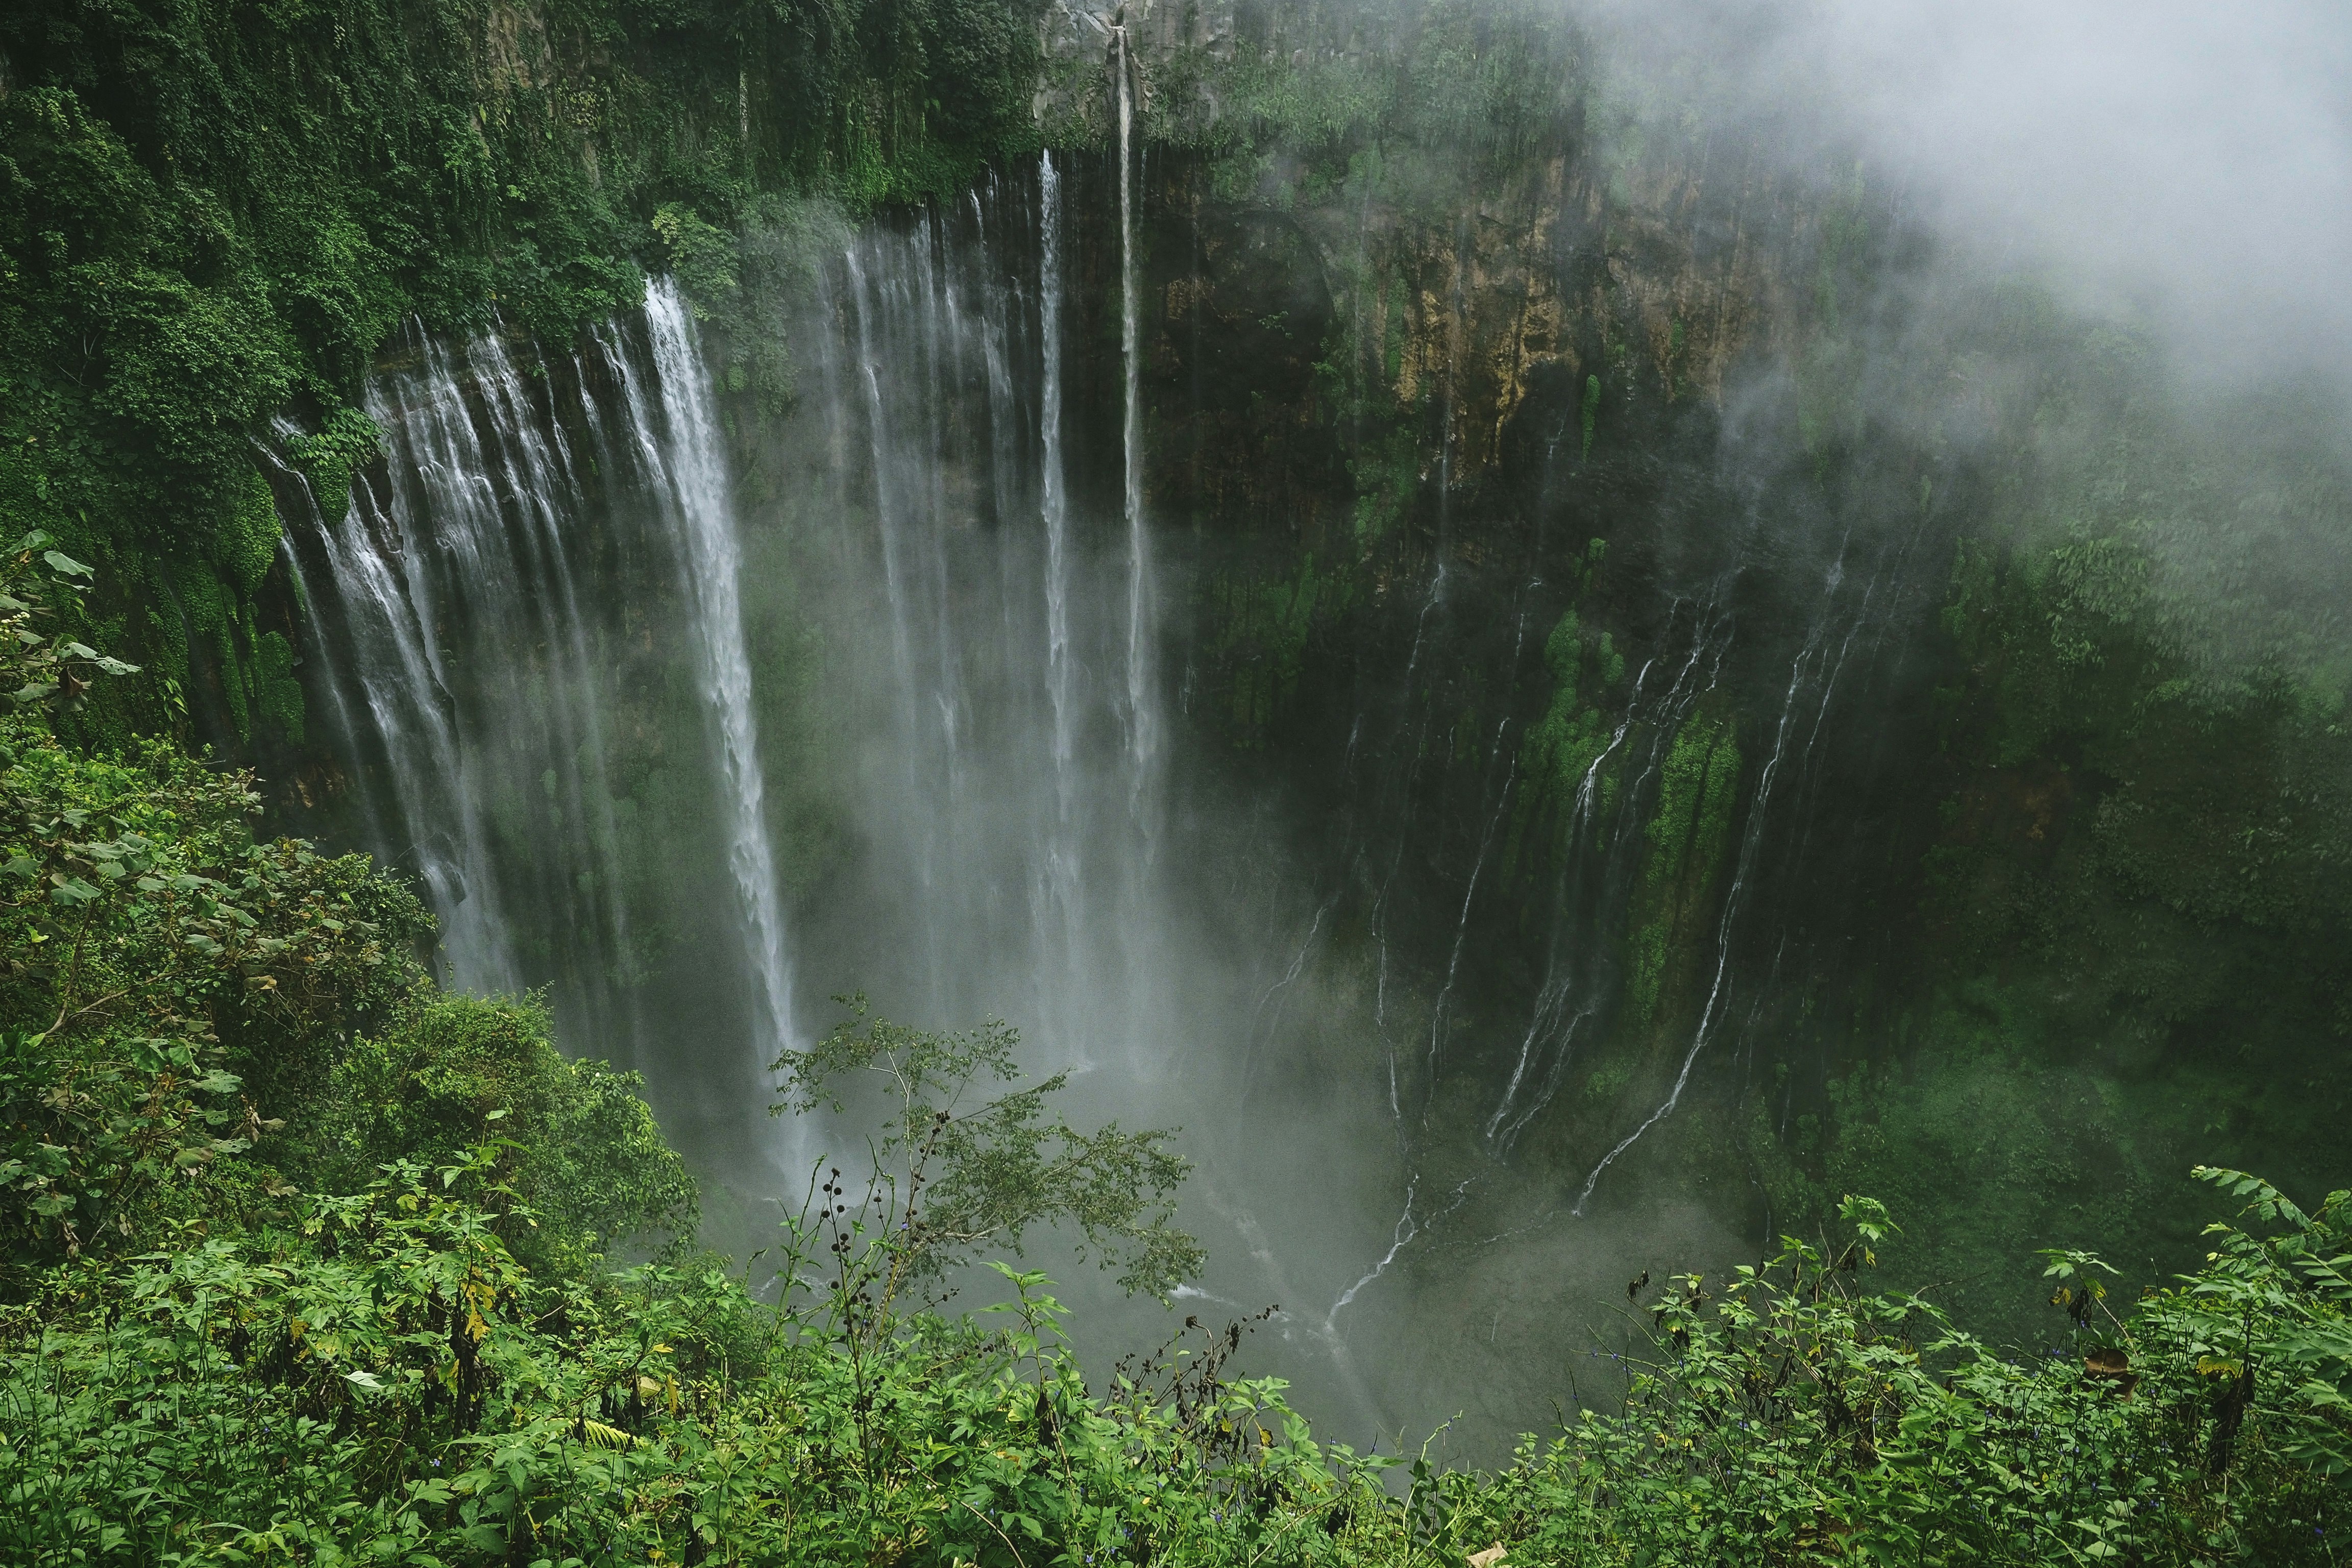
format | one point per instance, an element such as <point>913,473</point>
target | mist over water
<point>1006,790</point>
<point>1588,813</point>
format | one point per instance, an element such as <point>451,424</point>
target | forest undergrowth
<point>309,1261</point>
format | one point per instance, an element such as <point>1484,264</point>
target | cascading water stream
<point>549,493</point>
<point>327,679</point>
<point>1143,725</point>
<point>946,349</point>
<point>466,669</point>
<point>888,505</point>
<point>1469,899</point>
<point>1759,809</point>
<point>1812,671</point>
<point>441,506</point>
<point>1399,1239</point>
<point>696,486</point>
<point>1582,980</point>
<point>1035,772</point>
<point>1062,869</point>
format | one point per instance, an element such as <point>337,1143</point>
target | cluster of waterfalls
<point>691,736</point>
<point>472,667</point>
<point>534,645</point>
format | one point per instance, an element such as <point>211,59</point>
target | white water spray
<point>1062,868</point>
<point>694,470</point>
<point>1143,738</point>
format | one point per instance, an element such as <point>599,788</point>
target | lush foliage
<point>2130,951</point>
<point>213,213</point>
<point>453,1073</point>
<point>383,1382</point>
<point>304,1260</point>
<point>156,958</point>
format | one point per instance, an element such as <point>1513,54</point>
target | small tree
<point>956,1169</point>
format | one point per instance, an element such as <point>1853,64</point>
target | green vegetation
<point>212,214</point>
<point>1262,635</point>
<point>345,443</point>
<point>1447,93</point>
<point>1698,784</point>
<point>2131,903</point>
<point>1563,747</point>
<point>306,1261</point>
<point>1566,744</point>
<point>994,1165</point>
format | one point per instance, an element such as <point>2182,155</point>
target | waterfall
<point>1143,737</point>
<point>583,795</point>
<point>997,602</point>
<point>601,704</point>
<point>696,470</point>
<point>442,505</point>
<point>1062,868</point>
<point>493,613</point>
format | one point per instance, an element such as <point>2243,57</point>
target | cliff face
<point>1481,385</point>
<point>1509,431</point>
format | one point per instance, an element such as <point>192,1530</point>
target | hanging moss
<point>207,656</point>
<point>1262,641</point>
<point>1697,793</point>
<point>1564,650</point>
<point>1387,475</point>
<point>346,441</point>
<point>278,696</point>
<point>1562,747</point>
<point>246,543</point>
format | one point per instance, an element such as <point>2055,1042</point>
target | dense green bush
<point>451,1072</point>
<point>171,989</point>
<point>380,1381</point>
